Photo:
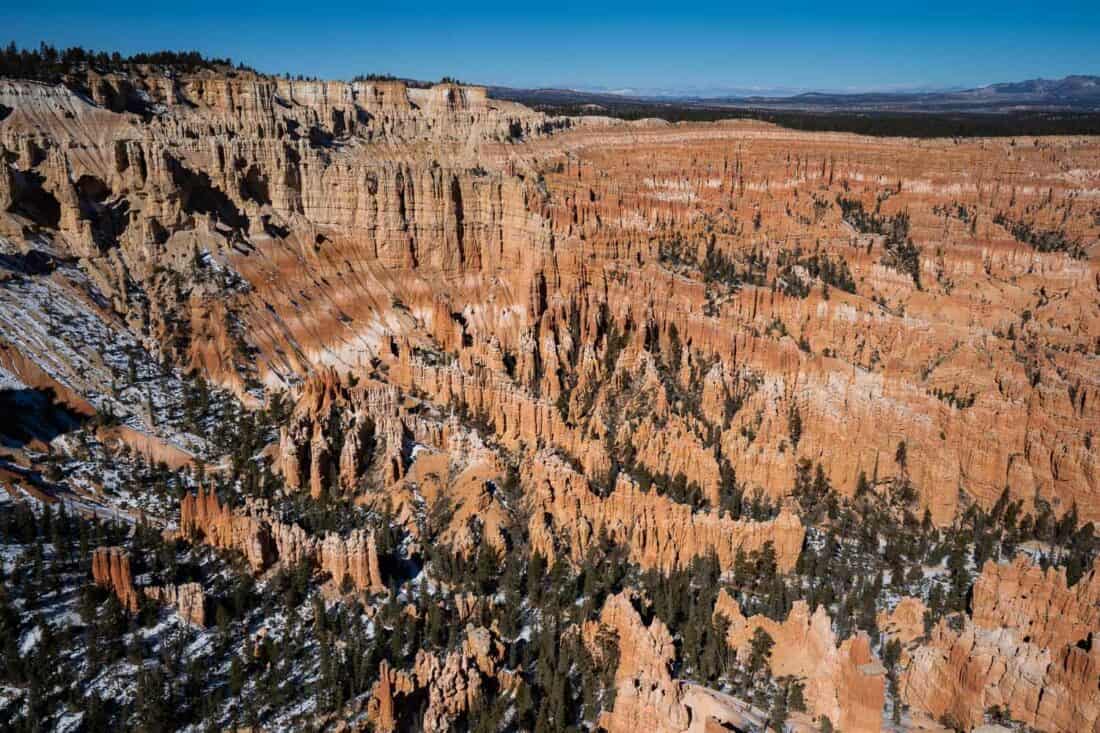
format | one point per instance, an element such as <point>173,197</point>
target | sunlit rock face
<point>844,681</point>
<point>330,224</point>
<point>1029,648</point>
<point>472,305</point>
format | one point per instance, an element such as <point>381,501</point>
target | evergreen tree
<point>777,716</point>
<point>760,650</point>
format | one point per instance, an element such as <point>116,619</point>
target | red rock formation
<point>191,602</point>
<point>453,683</point>
<point>647,697</point>
<point>1029,649</point>
<point>264,540</point>
<point>1024,596</point>
<point>545,280</point>
<point>660,533</point>
<point>844,682</point>
<point>31,374</point>
<point>153,449</point>
<point>7,182</point>
<point>188,599</point>
<point>457,226</point>
<point>353,558</point>
<point>111,569</point>
<point>385,720</point>
<point>203,518</point>
<point>905,622</point>
<point>366,420</point>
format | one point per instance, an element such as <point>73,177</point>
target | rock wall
<point>111,570</point>
<point>844,681</point>
<point>1021,595</point>
<point>353,558</point>
<point>264,540</point>
<point>568,516</point>
<point>1029,648</point>
<point>647,697</point>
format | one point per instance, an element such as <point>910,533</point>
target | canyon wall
<point>1028,648</point>
<point>632,331</point>
<point>111,570</point>
<point>561,277</point>
<point>264,540</point>
<point>844,682</point>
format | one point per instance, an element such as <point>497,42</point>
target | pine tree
<point>796,699</point>
<point>862,486</point>
<point>777,716</point>
<point>760,650</point>
<point>236,676</point>
<point>794,424</point>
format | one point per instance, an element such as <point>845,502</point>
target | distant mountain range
<point>1077,93</point>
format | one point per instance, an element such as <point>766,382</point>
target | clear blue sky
<point>850,44</point>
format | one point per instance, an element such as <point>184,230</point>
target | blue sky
<point>681,46</point>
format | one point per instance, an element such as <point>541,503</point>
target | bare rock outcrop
<point>659,532</point>
<point>111,569</point>
<point>844,681</point>
<point>203,517</point>
<point>453,684</point>
<point>1021,595</point>
<point>337,432</point>
<point>483,253</point>
<point>381,705</point>
<point>647,696</point>
<point>1029,649</point>
<point>353,559</point>
<point>264,540</point>
<point>188,599</point>
<point>7,182</point>
<point>905,622</point>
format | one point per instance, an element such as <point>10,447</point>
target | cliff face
<point>1028,648</point>
<point>619,327</point>
<point>480,252</point>
<point>264,540</point>
<point>111,569</point>
<point>844,682</point>
<point>569,517</point>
